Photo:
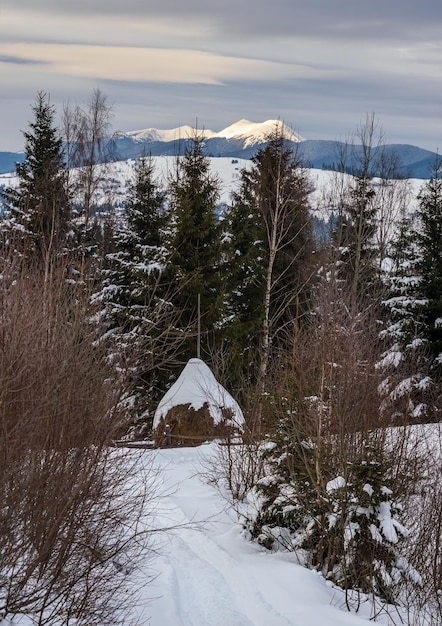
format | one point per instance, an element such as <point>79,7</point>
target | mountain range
<point>241,140</point>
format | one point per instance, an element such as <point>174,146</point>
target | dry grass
<point>188,426</point>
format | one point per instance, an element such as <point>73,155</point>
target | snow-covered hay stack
<point>196,407</point>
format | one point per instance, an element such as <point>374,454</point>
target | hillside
<point>117,175</point>
<point>241,140</point>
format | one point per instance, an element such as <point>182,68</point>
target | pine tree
<point>132,271</point>
<point>355,233</point>
<point>412,361</point>
<point>404,361</point>
<point>134,312</point>
<point>195,241</point>
<point>244,279</point>
<point>430,243</point>
<point>38,209</point>
<point>358,232</point>
<point>146,213</point>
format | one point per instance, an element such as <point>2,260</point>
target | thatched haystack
<point>196,407</point>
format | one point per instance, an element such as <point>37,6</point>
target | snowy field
<point>206,572</point>
<point>118,175</point>
<point>209,574</point>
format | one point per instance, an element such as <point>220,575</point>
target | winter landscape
<point>204,570</point>
<point>220,377</point>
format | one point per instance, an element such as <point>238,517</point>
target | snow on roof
<point>197,386</point>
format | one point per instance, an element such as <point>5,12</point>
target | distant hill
<point>8,161</point>
<point>414,162</point>
<point>242,140</point>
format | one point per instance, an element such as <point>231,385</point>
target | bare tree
<point>88,144</point>
<point>367,199</point>
<point>71,505</point>
<point>393,199</point>
<point>271,261</point>
<point>282,200</point>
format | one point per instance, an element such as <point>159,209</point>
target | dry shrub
<point>333,465</point>
<point>236,469</point>
<point>424,519</point>
<point>70,512</point>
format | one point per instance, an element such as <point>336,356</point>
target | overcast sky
<point>318,65</point>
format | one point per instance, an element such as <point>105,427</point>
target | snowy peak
<point>258,132</point>
<point>249,133</point>
<point>154,134</point>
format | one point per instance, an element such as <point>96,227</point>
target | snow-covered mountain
<point>241,140</point>
<point>245,131</point>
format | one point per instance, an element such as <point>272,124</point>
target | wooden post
<point>198,339</point>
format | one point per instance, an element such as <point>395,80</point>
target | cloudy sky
<point>318,65</point>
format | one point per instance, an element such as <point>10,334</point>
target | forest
<point>331,342</point>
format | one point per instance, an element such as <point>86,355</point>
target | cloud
<point>341,18</point>
<point>5,58</point>
<point>153,64</point>
<point>319,65</point>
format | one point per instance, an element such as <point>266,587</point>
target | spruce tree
<point>131,272</point>
<point>133,310</point>
<point>38,209</point>
<point>244,279</point>
<point>430,243</point>
<point>354,236</point>
<point>412,360</point>
<point>195,243</point>
<point>356,230</point>
<point>404,361</point>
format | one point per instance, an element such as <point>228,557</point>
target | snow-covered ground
<point>205,570</point>
<point>209,574</point>
<point>117,176</point>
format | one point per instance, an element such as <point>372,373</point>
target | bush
<point>347,527</point>
<point>69,513</point>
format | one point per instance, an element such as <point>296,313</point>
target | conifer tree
<point>38,209</point>
<point>132,271</point>
<point>413,333</point>
<point>195,242</point>
<point>355,231</point>
<point>430,243</point>
<point>134,312</point>
<point>404,361</point>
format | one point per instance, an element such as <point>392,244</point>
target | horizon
<point>217,132</point>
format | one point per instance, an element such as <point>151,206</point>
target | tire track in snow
<point>218,592</point>
<point>206,597</point>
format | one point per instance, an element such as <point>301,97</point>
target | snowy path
<point>208,574</point>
